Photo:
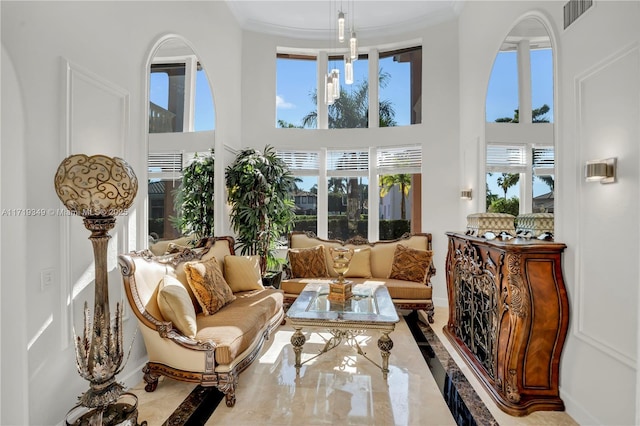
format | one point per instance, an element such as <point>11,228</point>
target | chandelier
<point>332,78</point>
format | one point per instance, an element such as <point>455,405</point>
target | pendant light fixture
<point>335,80</point>
<point>348,69</point>
<point>328,93</point>
<point>353,46</point>
<point>341,26</point>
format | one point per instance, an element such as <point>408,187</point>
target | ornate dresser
<point>508,317</point>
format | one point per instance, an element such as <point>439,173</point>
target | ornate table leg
<point>385,344</point>
<point>297,341</point>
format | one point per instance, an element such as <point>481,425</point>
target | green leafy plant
<point>258,189</point>
<point>194,198</point>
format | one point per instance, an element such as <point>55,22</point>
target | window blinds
<point>347,163</point>
<point>393,160</point>
<point>506,158</point>
<point>300,162</point>
<point>165,165</point>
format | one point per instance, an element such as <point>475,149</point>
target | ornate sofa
<point>406,271</point>
<point>190,341</point>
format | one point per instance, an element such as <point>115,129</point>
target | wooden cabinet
<point>508,317</point>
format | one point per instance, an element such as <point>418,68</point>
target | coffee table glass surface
<point>370,308</point>
<point>369,304</point>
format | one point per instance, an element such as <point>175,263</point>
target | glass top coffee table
<point>370,308</point>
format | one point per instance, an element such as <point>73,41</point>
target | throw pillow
<point>360,265</point>
<point>243,273</point>
<point>176,306</point>
<point>308,262</point>
<point>410,264</point>
<point>208,284</point>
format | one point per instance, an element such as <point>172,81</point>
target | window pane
<point>204,112</point>
<point>305,196</point>
<point>503,193</point>
<point>396,200</point>
<point>296,81</point>
<point>543,200</point>
<point>350,110</point>
<point>502,95</point>
<point>400,87</point>
<point>166,94</point>
<point>161,209</point>
<point>348,207</point>
<point>542,85</point>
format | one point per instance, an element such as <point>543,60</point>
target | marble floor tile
<point>338,387</point>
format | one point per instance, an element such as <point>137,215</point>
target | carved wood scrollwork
<point>518,301</point>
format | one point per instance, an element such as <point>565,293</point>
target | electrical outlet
<point>46,279</point>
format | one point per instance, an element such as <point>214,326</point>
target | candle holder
<point>340,290</point>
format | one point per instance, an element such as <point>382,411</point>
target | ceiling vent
<point>573,9</point>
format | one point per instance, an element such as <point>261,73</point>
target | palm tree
<point>351,109</point>
<point>403,181</point>
<point>547,180</point>
<point>538,115</point>
<point>507,180</point>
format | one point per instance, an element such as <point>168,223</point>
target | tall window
<point>400,87</point>
<point>519,130</point>
<point>399,189</point>
<point>348,188</point>
<point>296,81</point>
<point>350,110</point>
<point>304,166</point>
<point>180,101</point>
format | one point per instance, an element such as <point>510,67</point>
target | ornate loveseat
<point>185,339</point>
<point>406,271</point>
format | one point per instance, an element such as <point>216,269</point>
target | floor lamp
<point>99,188</point>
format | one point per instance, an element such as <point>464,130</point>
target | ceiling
<point>316,19</point>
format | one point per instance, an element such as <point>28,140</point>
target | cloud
<point>281,103</point>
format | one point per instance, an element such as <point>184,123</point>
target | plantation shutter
<point>165,165</point>
<point>543,161</point>
<point>395,160</point>
<point>347,163</point>
<point>300,162</point>
<point>506,158</point>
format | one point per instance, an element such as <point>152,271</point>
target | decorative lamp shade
<point>96,186</point>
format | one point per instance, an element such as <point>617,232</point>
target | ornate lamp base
<point>340,291</point>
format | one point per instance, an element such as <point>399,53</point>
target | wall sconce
<point>603,171</point>
<point>465,194</point>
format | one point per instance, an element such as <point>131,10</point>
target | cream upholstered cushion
<point>242,273</point>
<point>410,264</point>
<point>176,306</point>
<point>308,262</point>
<point>360,265</point>
<point>208,284</point>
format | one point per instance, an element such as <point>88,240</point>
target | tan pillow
<point>176,306</point>
<point>208,284</point>
<point>308,262</point>
<point>243,273</point>
<point>360,265</point>
<point>410,264</point>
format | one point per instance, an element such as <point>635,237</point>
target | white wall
<point>598,106</point>
<point>438,132</point>
<point>109,42</point>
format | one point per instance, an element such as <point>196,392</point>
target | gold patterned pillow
<point>308,262</point>
<point>208,284</point>
<point>410,264</point>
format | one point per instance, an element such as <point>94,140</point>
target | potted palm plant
<point>259,185</point>
<point>194,198</point>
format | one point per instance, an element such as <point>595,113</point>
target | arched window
<point>180,104</point>
<point>519,129</point>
